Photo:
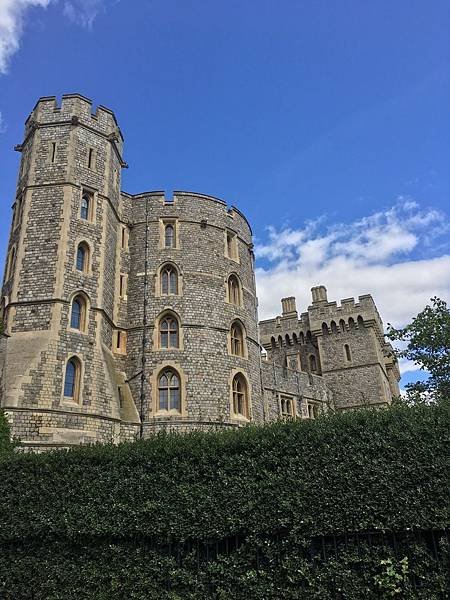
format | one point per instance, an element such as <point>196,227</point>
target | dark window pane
<point>75,319</point>
<point>164,339</point>
<point>169,241</point>
<point>84,213</point>
<point>165,282</point>
<point>163,399</point>
<point>175,403</point>
<point>69,382</point>
<point>80,258</point>
<point>173,282</point>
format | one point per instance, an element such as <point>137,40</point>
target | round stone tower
<point>202,356</point>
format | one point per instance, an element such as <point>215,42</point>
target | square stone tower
<point>356,361</point>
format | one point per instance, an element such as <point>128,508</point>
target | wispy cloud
<point>13,17</point>
<point>83,12</point>
<point>2,124</point>
<point>391,254</point>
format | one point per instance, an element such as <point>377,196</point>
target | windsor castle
<point>127,314</point>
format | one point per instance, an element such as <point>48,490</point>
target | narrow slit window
<point>72,379</point>
<point>169,236</point>
<point>123,286</point>
<point>124,238</point>
<point>78,313</point>
<point>53,152</point>
<point>348,355</point>
<point>82,261</point>
<point>85,208</point>
<point>90,158</point>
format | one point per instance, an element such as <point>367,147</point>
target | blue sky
<point>327,123</point>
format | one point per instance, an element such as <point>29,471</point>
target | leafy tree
<point>428,345</point>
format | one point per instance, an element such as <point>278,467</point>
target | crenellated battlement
<point>210,210</point>
<point>348,308</point>
<point>74,108</point>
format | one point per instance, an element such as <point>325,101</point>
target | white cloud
<point>390,254</point>
<point>372,255</point>
<point>12,13</point>
<point>83,12</point>
<point>13,17</point>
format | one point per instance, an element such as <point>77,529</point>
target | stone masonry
<point>331,357</point>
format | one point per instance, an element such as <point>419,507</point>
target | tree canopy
<point>428,345</point>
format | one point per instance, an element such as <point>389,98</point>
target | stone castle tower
<point>343,344</point>
<point>124,314</point>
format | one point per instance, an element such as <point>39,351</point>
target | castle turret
<point>352,351</point>
<point>202,364</point>
<point>64,261</point>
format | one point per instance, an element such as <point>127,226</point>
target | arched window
<point>360,322</point>
<point>169,281</point>
<point>348,355</point>
<point>334,328</point>
<point>313,411</point>
<point>302,338</point>
<point>169,332</point>
<point>237,340</point>
<point>325,329</point>
<point>240,396</point>
<point>72,379</point>
<point>85,207</point>
<point>234,290</point>
<point>287,407</point>
<point>351,323</point>
<point>82,257</point>
<point>78,313</point>
<point>288,340</point>
<point>169,393</point>
<point>342,325</point>
<point>312,363</point>
<point>169,236</point>
<point>280,341</point>
<point>273,342</point>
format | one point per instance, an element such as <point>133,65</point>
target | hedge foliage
<point>6,443</point>
<point>96,522</point>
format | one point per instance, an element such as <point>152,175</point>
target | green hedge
<point>6,443</point>
<point>133,521</point>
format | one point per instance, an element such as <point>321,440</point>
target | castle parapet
<point>201,208</point>
<point>321,312</point>
<point>76,109</point>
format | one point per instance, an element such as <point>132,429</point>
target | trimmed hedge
<point>6,443</point>
<point>133,521</point>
